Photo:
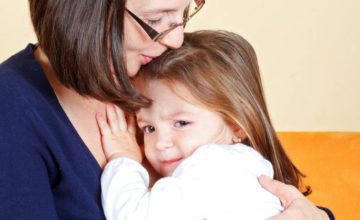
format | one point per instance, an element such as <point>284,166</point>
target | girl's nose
<point>163,141</point>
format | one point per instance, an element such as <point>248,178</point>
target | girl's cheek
<point>187,144</point>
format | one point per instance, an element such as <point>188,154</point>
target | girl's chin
<point>164,172</point>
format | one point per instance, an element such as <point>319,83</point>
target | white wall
<point>309,54</point>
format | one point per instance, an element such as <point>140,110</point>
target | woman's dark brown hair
<point>83,40</point>
<point>221,71</point>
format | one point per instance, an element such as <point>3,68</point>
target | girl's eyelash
<point>181,123</point>
<point>148,129</point>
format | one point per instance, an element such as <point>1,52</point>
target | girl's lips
<point>168,166</point>
<point>169,162</point>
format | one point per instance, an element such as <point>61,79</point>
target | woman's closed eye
<point>153,22</point>
<point>181,123</point>
<point>165,18</point>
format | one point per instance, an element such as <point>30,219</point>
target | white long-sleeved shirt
<point>217,182</point>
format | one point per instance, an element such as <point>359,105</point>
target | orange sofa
<point>331,161</point>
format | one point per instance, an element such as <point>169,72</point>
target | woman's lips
<point>146,59</point>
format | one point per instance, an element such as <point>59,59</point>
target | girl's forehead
<point>166,90</point>
<point>171,96</point>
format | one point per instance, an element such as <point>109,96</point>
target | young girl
<point>207,131</point>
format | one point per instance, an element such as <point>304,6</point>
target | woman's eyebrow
<point>157,11</point>
<point>170,7</point>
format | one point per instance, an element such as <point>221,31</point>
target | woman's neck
<point>66,96</point>
<point>79,109</point>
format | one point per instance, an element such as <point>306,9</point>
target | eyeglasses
<point>193,8</point>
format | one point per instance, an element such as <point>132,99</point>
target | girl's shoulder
<point>227,150</point>
<point>215,158</point>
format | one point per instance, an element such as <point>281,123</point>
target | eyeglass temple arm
<point>199,5</point>
<point>149,30</point>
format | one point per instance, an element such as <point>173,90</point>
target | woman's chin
<point>133,69</point>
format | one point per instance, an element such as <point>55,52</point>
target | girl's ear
<point>238,134</point>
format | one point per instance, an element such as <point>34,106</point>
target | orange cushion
<point>331,162</point>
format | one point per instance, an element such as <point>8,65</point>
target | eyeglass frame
<point>156,36</point>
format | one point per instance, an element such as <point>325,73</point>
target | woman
<point>50,151</point>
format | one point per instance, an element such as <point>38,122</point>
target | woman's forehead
<point>153,6</point>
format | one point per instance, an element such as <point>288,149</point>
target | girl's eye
<point>148,129</point>
<point>181,123</point>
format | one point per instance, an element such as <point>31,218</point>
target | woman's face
<point>159,14</point>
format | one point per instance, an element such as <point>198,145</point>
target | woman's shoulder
<point>22,81</point>
<point>25,97</point>
<point>22,61</point>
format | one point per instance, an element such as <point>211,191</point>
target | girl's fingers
<point>121,117</point>
<point>112,118</point>
<point>103,126</point>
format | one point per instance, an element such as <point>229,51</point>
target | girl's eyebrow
<point>177,114</point>
<point>139,118</point>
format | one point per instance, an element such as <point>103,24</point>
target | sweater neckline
<point>49,94</point>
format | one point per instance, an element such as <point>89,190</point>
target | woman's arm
<point>295,204</point>
<point>25,191</point>
<point>25,188</point>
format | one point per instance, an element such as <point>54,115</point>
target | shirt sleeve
<point>25,189</point>
<point>125,193</point>
<point>210,184</point>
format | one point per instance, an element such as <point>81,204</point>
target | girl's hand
<point>296,206</point>
<point>117,135</point>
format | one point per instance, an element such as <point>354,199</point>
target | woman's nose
<point>173,39</point>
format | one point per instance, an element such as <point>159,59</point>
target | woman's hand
<point>118,135</point>
<point>296,206</point>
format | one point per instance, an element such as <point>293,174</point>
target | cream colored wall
<point>308,51</point>
<point>16,30</point>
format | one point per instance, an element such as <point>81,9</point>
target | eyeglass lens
<point>190,11</point>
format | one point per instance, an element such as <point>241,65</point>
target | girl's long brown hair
<point>221,70</point>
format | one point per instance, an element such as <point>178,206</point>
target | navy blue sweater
<point>46,170</point>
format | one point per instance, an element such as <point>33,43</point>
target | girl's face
<point>159,14</point>
<point>174,127</point>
